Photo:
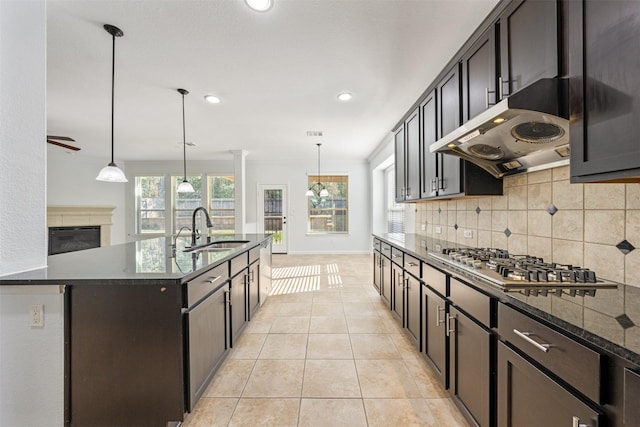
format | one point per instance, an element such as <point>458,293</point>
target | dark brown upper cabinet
<point>407,152</point>
<point>479,76</point>
<point>529,46</point>
<point>604,90</point>
<point>448,113</point>
<point>428,135</point>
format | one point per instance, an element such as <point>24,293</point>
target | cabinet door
<point>434,339</point>
<point>479,76</point>
<point>528,397</point>
<point>238,305</point>
<point>470,366</point>
<point>605,94</point>
<point>412,157</point>
<point>397,294</point>
<point>528,43</point>
<point>429,135</point>
<point>412,307</point>
<point>206,325</point>
<point>386,281</point>
<point>449,168</point>
<point>253,298</point>
<point>377,270</point>
<point>399,163</point>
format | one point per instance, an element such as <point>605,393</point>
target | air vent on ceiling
<point>314,133</point>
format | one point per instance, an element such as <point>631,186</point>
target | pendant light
<point>111,172</point>
<point>185,186</point>
<point>323,191</point>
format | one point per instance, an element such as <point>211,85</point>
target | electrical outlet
<point>36,316</point>
<point>423,226</point>
<point>468,234</point>
<point>438,230</point>
<point>423,243</point>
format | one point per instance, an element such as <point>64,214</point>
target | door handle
<point>448,325</point>
<point>438,321</point>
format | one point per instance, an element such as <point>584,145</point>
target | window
<point>395,211</point>
<point>185,203</point>
<point>150,204</point>
<point>329,214</point>
<point>222,204</point>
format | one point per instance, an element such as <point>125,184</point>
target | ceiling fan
<point>55,140</point>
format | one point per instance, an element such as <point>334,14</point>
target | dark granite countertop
<point>610,320</point>
<point>141,262</point>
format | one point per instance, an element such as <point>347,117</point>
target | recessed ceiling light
<point>212,99</point>
<point>260,5</point>
<point>345,96</point>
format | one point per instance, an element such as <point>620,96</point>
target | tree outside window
<point>329,214</point>
<point>185,203</point>
<point>222,204</point>
<point>150,204</point>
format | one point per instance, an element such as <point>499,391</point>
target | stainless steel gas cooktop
<point>522,273</point>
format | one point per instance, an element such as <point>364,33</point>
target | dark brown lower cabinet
<point>377,270</point>
<point>386,281</point>
<point>397,288</point>
<point>238,304</point>
<point>412,307</point>
<point>434,338</point>
<point>470,354</point>
<point>529,397</point>
<point>206,345</point>
<point>253,297</point>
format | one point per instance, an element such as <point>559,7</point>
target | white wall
<point>72,182</point>
<point>22,135</point>
<point>31,359</point>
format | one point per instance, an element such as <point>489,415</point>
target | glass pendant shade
<point>309,193</point>
<point>185,187</point>
<point>324,192</point>
<point>111,173</point>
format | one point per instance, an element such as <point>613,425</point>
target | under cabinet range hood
<point>527,131</point>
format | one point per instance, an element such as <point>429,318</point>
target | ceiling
<point>278,73</point>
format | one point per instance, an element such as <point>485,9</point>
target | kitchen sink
<point>218,246</point>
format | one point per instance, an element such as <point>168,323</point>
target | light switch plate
<point>438,230</point>
<point>468,234</point>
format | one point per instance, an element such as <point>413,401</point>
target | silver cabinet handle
<point>500,94</point>
<point>486,97</point>
<point>434,184</point>
<point>406,283</point>
<point>448,325</point>
<point>527,337</point>
<point>438,321</point>
<point>213,279</point>
<point>413,264</point>
<point>227,297</point>
<point>577,423</point>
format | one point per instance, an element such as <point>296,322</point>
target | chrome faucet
<point>194,232</point>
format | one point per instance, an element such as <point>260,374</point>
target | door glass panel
<point>273,218</point>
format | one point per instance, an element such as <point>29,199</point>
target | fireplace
<point>70,239</point>
<point>93,222</point>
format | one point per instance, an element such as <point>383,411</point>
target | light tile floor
<point>324,351</point>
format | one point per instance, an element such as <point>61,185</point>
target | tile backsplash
<point>596,226</point>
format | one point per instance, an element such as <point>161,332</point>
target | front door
<point>272,215</point>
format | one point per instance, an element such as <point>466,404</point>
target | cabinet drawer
<point>376,245</point>
<point>204,284</point>
<point>475,303</point>
<point>573,362</point>
<point>385,249</point>
<point>412,265</point>
<point>239,263</point>
<point>254,254</point>
<point>435,278</point>
<point>397,256</point>
<point>631,396</point>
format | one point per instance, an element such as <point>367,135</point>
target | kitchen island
<point>146,323</point>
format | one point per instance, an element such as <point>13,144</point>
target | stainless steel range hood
<point>527,131</point>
